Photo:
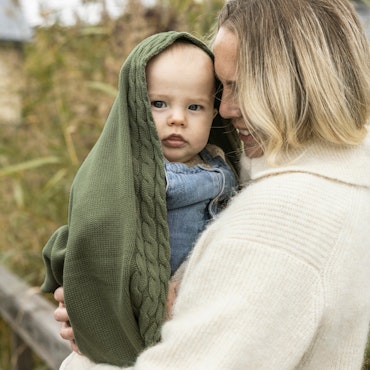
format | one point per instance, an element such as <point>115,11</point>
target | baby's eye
<point>195,107</point>
<point>158,104</point>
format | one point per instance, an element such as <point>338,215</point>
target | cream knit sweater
<point>281,280</point>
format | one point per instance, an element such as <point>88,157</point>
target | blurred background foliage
<point>70,76</point>
<point>70,81</point>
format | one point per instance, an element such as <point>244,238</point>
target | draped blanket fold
<point>113,256</point>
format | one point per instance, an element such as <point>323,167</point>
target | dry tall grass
<point>71,77</point>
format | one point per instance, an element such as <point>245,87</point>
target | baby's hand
<point>61,315</point>
<point>173,287</point>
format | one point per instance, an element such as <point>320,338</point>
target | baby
<point>154,148</point>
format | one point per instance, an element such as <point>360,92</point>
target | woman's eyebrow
<point>229,83</point>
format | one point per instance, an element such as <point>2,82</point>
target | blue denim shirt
<point>194,196</point>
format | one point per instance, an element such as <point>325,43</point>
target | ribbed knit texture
<point>281,280</point>
<point>113,256</point>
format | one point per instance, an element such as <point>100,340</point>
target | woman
<point>281,280</point>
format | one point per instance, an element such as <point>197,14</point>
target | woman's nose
<point>229,107</point>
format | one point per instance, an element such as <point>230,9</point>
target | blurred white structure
<point>14,31</point>
<point>363,11</point>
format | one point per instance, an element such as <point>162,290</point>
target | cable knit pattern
<point>113,257</point>
<point>281,279</point>
<point>152,233</point>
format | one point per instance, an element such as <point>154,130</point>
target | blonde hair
<point>303,71</point>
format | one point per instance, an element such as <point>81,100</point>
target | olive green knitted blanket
<point>113,256</point>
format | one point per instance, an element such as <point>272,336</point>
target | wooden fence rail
<point>30,317</point>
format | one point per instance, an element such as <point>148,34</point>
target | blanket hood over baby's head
<point>113,256</point>
<point>222,132</point>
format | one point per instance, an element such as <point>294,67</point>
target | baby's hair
<point>182,43</point>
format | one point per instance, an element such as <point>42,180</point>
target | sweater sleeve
<point>225,320</point>
<point>253,294</point>
<point>250,304</point>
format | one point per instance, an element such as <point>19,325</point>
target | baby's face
<point>181,88</point>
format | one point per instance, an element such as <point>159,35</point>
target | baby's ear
<point>215,111</point>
